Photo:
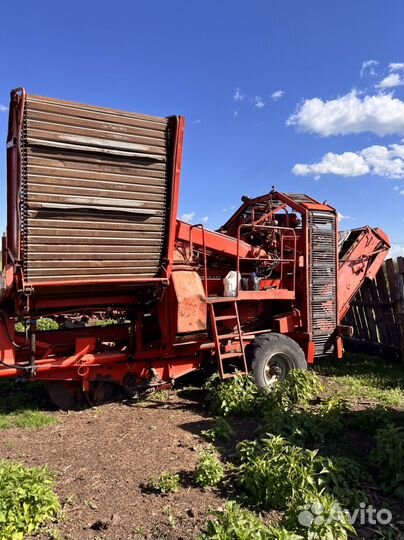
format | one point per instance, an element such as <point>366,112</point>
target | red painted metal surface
<point>281,247</point>
<point>362,254</point>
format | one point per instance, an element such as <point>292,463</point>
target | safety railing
<point>285,233</point>
<point>191,250</point>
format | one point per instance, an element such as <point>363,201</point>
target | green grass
<point>362,377</point>
<point>26,419</point>
<point>21,404</point>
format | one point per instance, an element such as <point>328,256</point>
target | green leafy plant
<point>42,325</point>
<point>221,430</point>
<point>343,479</point>
<point>235,397</point>
<point>276,474</point>
<point>388,456</point>
<point>241,397</point>
<point>27,500</point>
<point>299,386</point>
<point>236,523</point>
<point>209,471</point>
<point>302,426</point>
<point>166,483</point>
<point>320,517</point>
<point>104,322</point>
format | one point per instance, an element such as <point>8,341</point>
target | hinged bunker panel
<point>95,191</point>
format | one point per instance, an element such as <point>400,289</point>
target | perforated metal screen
<point>323,279</point>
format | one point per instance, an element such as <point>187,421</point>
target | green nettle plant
<point>236,397</point>
<point>300,386</point>
<point>275,474</point>
<point>27,500</point>
<point>319,518</point>
<point>344,475</point>
<point>302,426</point>
<point>166,483</point>
<point>236,523</point>
<point>241,397</point>
<point>209,471</point>
<point>388,456</point>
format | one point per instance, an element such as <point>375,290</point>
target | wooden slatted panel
<point>94,192</point>
<point>377,310</point>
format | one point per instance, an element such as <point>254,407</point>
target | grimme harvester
<point>93,234</point>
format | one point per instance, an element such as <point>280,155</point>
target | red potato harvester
<point>93,237</point>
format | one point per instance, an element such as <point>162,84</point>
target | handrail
<point>191,249</point>
<point>281,260</point>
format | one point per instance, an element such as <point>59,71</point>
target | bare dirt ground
<point>103,456</point>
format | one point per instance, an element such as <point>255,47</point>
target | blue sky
<point>272,91</point>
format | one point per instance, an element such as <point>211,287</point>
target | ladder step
<point>225,356</point>
<point>234,335</point>
<point>225,317</point>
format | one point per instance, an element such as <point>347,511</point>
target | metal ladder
<point>219,338</point>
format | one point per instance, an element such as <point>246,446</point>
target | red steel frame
<point>76,355</point>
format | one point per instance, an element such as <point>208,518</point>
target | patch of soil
<point>103,456</point>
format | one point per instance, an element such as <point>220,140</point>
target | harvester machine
<point>104,290</point>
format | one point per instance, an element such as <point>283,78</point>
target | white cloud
<point>3,108</point>
<point>196,122</point>
<point>238,95</point>
<point>402,192</point>
<point>235,114</point>
<point>258,103</point>
<point>341,217</point>
<point>346,164</point>
<point>396,66</point>
<point>188,217</point>
<point>381,114</point>
<point>368,68</point>
<point>386,161</point>
<point>204,220</point>
<point>391,81</point>
<point>277,95</point>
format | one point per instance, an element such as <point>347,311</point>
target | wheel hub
<point>276,368</point>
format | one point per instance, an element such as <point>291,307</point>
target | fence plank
<point>377,311</point>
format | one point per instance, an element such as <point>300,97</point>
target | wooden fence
<point>377,312</point>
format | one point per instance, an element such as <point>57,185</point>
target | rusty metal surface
<point>94,191</point>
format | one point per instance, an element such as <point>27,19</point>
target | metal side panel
<point>95,186</point>
<point>323,276</point>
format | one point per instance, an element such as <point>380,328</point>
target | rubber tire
<point>265,347</point>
